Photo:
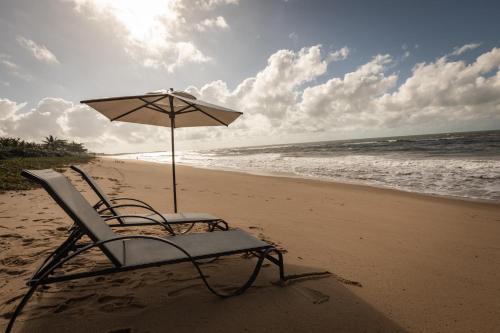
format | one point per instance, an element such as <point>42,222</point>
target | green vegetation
<point>17,154</point>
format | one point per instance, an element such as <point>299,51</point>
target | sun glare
<point>145,21</point>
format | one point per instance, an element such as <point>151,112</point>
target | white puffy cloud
<point>8,109</point>
<point>285,99</point>
<point>157,33</point>
<point>446,90</point>
<point>40,52</point>
<point>345,102</point>
<point>211,23</point>
<point>273,89</point>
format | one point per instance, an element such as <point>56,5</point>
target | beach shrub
<point>17,154</point>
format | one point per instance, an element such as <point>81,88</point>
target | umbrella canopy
<point>172,109</point>
<point>156,109</point>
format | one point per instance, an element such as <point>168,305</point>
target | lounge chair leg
<point>217,225</point>
<point>188,229</point>
<point>253,276</point>
<point>224,227</point>
<point>278,262</point>
<point>20,307</point>
<point>60,252</point>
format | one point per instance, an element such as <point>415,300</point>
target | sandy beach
<point>400,262</point>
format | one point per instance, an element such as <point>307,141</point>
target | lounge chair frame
<point>111,204</point>
<point>71,248</point>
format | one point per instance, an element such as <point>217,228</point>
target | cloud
<point>64,119</point>
<point>286,97</point>
<point>467,47</point>
<point>271,91</point>
<point>13,68</point>
<point>8,109</point>
<point>346,102</point>
<point>211,23</point>
<point>157,34</point>
<point>40,52</point>
<point>446,90</point>
<point>338,55</point>
<point>182,53</point>
<point>211,4</point>
<point>275,101</point>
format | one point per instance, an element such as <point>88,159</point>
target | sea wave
<point>465,165</point>
<point>475,179</point>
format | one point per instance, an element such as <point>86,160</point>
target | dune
<point>399,262</point>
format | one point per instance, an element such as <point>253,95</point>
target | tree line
<point>50,147</point>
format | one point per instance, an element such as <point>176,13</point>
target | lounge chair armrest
<point>133,200</point>
<point>137,206</point>
<point>109,208</point>
<point>166,226</point>
<point>129,205</point>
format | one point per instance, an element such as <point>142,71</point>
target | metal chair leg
<point>20,307</point>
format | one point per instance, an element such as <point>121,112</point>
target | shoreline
<point>318,179</point>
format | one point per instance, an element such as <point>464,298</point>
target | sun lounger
<point>130,252</point>
<point>112,205</point>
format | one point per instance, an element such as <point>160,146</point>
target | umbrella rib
<point>186,111</point>
<point>183,109</point>
<point>137,108</point>
<point>207,114</point>
<point>214,118</point>
<point>154,106</point>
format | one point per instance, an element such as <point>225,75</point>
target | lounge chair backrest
<point>82,213</point>
<point>97,189</point>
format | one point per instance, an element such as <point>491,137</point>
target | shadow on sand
<point>174,299</point>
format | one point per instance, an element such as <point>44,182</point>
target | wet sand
<point>400,262</point>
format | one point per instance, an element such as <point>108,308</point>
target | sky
<point>299,70</point>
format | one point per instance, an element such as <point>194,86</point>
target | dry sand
<point>401,262</point>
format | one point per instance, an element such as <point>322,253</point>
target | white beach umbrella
<point>170,109</point>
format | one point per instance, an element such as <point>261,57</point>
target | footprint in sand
<point>12,271</point>
<point>112,303</point>
<point>15,261</point>
<point>182,290</point>
<point>72,301</point>
<point>188,279</point>
<point>119,282</point>
<point>16,236</point>
<point>29,241</point>
<point>255,227</point>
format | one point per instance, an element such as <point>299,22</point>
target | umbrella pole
<point>172,126</point>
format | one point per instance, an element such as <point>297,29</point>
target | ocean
<point>462,165</point>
